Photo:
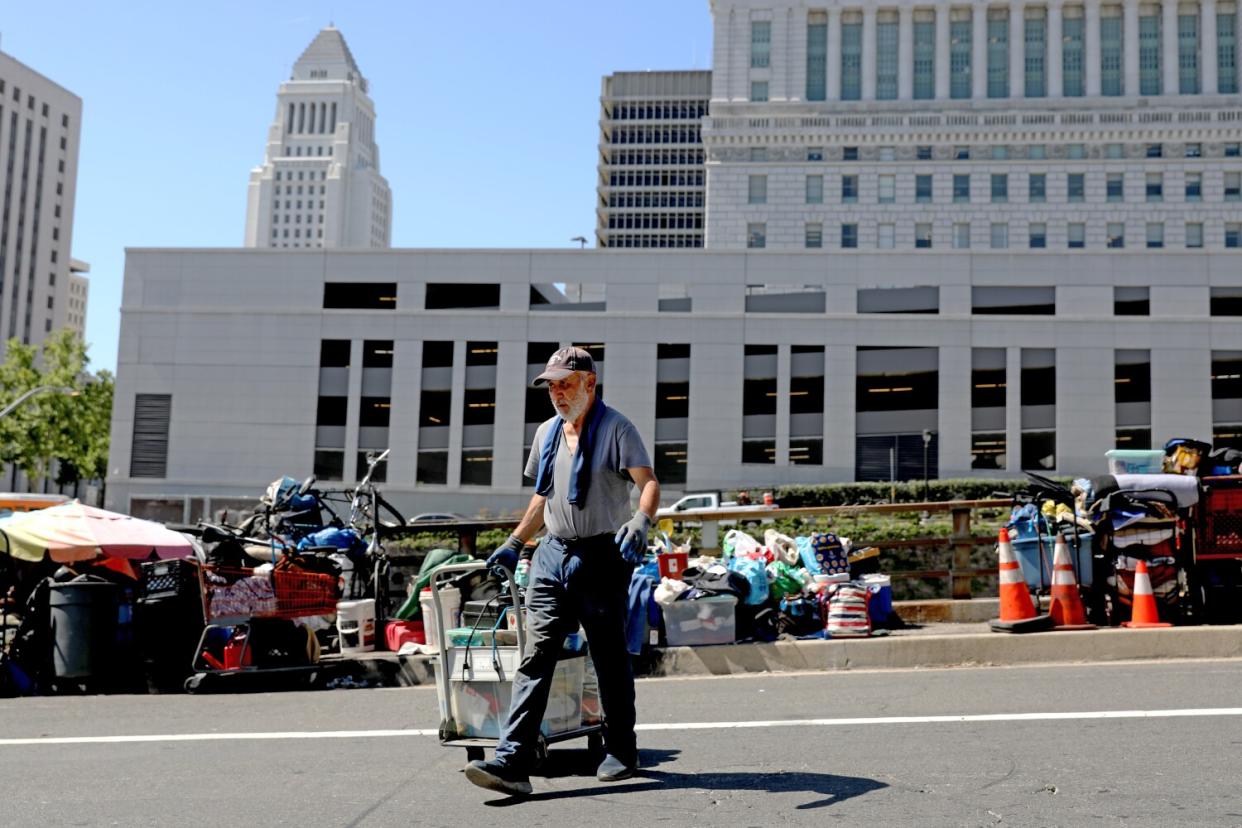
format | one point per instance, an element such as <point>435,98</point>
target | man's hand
<point>505,559</point>
<point>632,537</point>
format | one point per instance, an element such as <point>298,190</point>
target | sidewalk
<point>943,634</point>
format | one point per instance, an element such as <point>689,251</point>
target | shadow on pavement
<point>569,763</point>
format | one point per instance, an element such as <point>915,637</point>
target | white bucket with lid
<point>450,604</point>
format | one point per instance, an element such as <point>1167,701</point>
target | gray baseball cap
<point>563,363</point>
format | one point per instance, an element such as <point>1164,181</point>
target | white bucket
<point>450,603</point>
<point>355,621</point>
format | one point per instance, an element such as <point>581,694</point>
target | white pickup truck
<point>711,500</point>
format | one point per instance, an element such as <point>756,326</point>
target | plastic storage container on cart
<point>1037,577</point>
<point>481,700</point>
<point>355,621</point>
<point>450,604</point>
<point>710,620</point>
<point>1135,461</point>
<point>83,617</point>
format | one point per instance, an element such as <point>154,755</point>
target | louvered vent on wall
<point>149,455</point>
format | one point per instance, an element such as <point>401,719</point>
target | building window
<point>432,468</point>
<point>1035,33</point>
<point>455,295</point>
<point>961,189</point>
<point>1155,151</point>
<point>960,49</point>
<point>1188,54</point>
<point>757,191</point>
<point>1194,186</point>
<point>359,295</point>
<point>759,155</point>
<point>1116,187</point>
<point>1000,188</point>
<point>1076,187</point>
<point>1233,186</point>
<point>1038,235</point>
<point>1116,235</point>
<point>814,153</point>
<point>1233,235</point>
<point>1000,152</point>
<point>887,189</point>
<point>670,462</point>
<point>1149,54</point>
<point>924,59</point>
<point>1076,235</point>
<point>849,189</point>
<point>923,235</point>
<point>1131,301</point>
<point>851,59</point>
<point>998,53</point>
<point>1000,235</point>
<point>817,57</point>
<point>961,236</point>
<point>759,91</point>
<point>814,189</point>
<point>757,236</point>
<point>814,235</point>
<point>1038,188</point>
<point>849,236</point>
<point>849,153</point>
<point>1225,301</point>
<point>1111,53</point>
<point>886,236</point>
<point>923,153</point>
<point>886,57</point>
<point>1192,151</point>
<point>1226,53</point>
<point>1194,234</point>
<point>1037,152</point>
<point>1155,187</point>
<point>1072,62</point>
<point>760,44</point>
<point>1155,234</point>
<point>923,189</point>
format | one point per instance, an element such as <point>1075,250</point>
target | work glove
<point>631,538</point>
<point>505,559</point>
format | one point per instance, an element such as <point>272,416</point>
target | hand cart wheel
<point>475,754</point>
<point>595,746</point>
<point>541,751</point>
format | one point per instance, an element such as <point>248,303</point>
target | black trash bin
<point>83,617</point>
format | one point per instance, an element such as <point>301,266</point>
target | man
<point>584,462</point>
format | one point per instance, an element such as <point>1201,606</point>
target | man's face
<point>572,395</point>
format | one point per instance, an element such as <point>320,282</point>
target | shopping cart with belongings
<point>474,677</point>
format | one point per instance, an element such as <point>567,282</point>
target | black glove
<point>505,559</point>
<point>632,537</point>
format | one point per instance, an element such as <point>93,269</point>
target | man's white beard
<point>576,406</point>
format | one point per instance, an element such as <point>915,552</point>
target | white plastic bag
<point>737,542</point>
<point>783,546</point>
<point>669,590</point>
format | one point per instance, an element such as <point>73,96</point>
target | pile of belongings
<point>815,585</point>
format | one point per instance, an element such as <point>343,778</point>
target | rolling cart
<point>238,604</point>
<point>474,680</point>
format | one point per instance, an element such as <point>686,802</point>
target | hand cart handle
<point>472,566</point>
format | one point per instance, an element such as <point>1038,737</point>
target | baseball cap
<point>564,362</point>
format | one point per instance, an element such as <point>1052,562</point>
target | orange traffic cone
<point>1143,611</point>
<point>1066,610</point>
<point>1017,613</point>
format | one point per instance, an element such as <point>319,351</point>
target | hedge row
<point>854,494</point>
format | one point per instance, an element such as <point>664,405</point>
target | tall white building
<point>40,123</point>
<point>320,184</point>
<point>1052,125</point>
<point>651,180</point>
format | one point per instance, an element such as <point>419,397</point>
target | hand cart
<point>235,598</point>
<point>474,683</point>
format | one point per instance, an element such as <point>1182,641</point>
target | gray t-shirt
<point>616,447</point>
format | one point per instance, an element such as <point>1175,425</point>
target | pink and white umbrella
<point>74,532</point>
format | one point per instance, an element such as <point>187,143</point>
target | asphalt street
<point>1113,744</point>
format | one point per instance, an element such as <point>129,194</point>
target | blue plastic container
<point>1037,577</point>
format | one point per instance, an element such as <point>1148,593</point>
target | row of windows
<point>655,200</point>
<point>30,104</point>
<point>1017,152</point>
<point>998,235</point>
<point>999,190</point>
<point>660,221</point>
<point>288,190</point>
<point>296,219</point>
<point>657,110</point>
<point>310,175</point>
<point>656,178</point>
<point>644,240</point>
<point>297,233</point>
<point>654,135</point>
<point>297,152</point>
<point>310,204</point>
<point>994,72</point>
<point>655,158</point>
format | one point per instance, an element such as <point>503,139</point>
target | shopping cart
<point>237,603</point>
<point>474,680</point>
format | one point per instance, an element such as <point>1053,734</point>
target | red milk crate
<point>1221,516</point>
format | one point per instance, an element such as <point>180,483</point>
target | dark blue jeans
<point>572,582</point>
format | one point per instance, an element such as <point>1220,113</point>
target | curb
<point>969,647</point>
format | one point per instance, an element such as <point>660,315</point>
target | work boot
<point>613,769</point>
<point>497,776</point>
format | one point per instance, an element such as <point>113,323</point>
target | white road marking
<point>654,726</point>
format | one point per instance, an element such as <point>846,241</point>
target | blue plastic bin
<point>1027,552</point>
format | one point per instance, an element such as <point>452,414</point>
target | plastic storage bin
<point>355,621</point>
<point>481,695</point>
<point>1134,461</point>
<point>703,621</point>
<point>1027,551</point>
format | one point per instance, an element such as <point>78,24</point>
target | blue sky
<point>487,113</point>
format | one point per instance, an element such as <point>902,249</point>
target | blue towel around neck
<point>580,478</point>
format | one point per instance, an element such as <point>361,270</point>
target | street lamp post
<point>59,389</point>
<point>927,435</point>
